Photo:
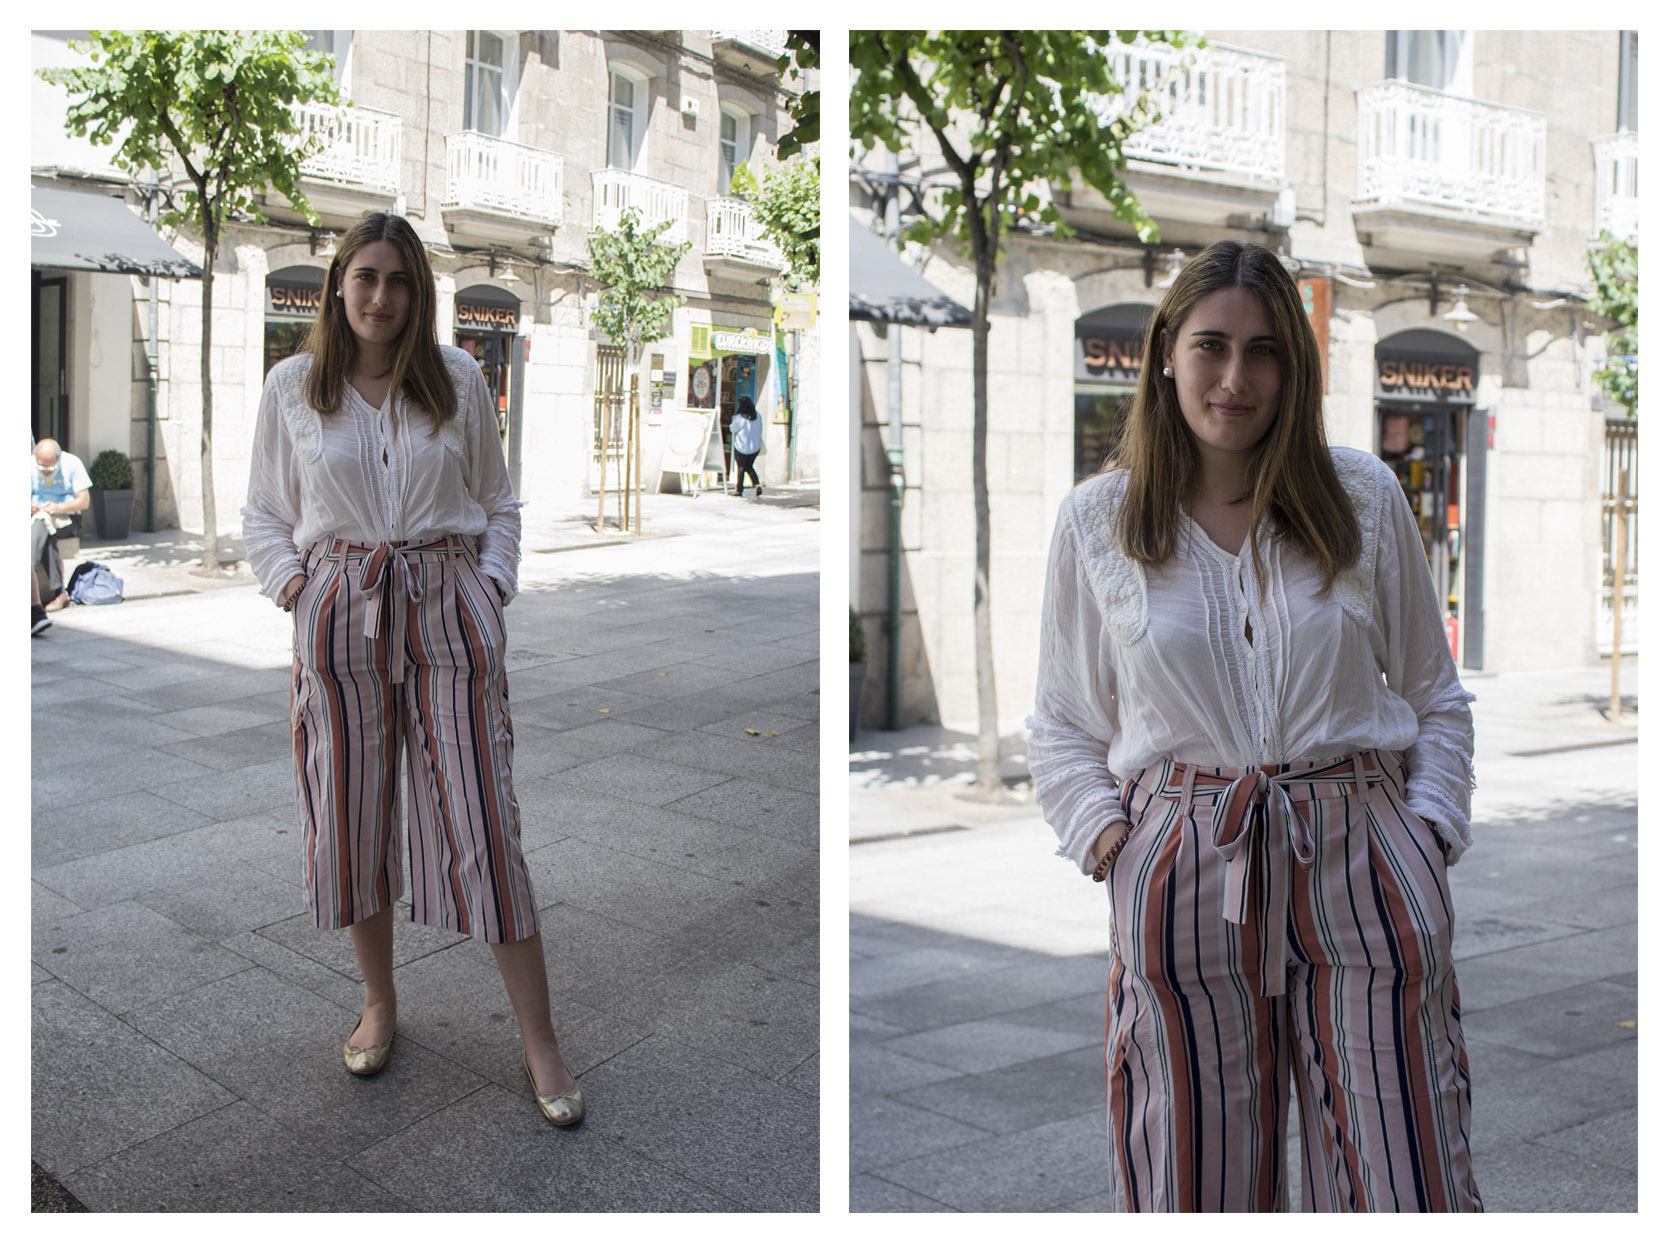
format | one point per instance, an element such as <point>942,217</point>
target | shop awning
<point>95,231</point>
<point>883,289</point>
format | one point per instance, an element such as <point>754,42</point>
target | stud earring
<point>1167,373</point>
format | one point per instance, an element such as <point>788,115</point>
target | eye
<point>1211,343</point>
<point>1265,350</point>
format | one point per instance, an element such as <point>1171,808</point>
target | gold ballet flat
<point>561,1110</point>
<point>366,1060</point>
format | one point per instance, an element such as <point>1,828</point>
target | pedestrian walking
<point>382,518</point>
<point>1249,727</point>
<point>746,431</point>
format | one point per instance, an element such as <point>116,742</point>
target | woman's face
<point>377,293</point>
<point>1227,371</point>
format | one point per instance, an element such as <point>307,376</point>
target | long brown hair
<point>416,366</point>
<point>1290,476</point>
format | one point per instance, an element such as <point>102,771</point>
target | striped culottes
<point>1272,920</point>
<point>403,645</point>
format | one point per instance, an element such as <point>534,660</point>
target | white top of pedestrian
<point>351,475</point>
<point>747,433</point>
<point>1139,664</point>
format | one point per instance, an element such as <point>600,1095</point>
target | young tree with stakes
<point>1014,113</point>
<point>217,103</point>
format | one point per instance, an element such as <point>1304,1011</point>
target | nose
<point>1233,377</point>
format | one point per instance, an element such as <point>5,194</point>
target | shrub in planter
<point>112,475</point>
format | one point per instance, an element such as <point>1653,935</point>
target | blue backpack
<point>94,584</point>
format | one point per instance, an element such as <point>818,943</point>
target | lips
<point>1233,411</point>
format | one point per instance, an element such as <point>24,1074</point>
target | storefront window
<point>1109,346</point>
<point>1099,421</point>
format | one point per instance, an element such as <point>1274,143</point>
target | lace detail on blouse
<point>302,423</point>
<point>1119,582</point>
<point>1362,476</point>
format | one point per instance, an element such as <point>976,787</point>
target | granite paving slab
<point>122,956</point>
<point>1532,1104</point>
<point>334,949</point>
<point>258,787</point>
<point>1564,1022</point>
<point>235,1160</point>
<point>1532,1178</point>
<point>1036,1169</point>
<point>1611,1139</point>
<point>197,855</point>
<point>289,1063</point>
<point>122,769</point>
<point>869,1194</point>
<point>225,901</point>
<point>108,823</point>
<point>237,747</point>
<point>642,779</point>
<point>754,806</point>
<point>805,1077</point>
<point>998,1041</point>
<point>492,1151</point>
<point>756,758</point>
<point>681,1108</point>
<point>747,1017</point>
<point>1021,1095</point>
<point>99,1087</point>
<point>985,986</point>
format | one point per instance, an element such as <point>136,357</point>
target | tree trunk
<point>988,726</point>
<point>206,441</point>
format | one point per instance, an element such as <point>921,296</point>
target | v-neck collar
<point>1197,531</point>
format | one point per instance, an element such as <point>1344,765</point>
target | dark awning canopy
<point>95,231</point>
<point>883,289</point>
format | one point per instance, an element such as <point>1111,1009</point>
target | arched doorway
<point>486,326</point>
<point>1109,343</point>
<point>1428,427</point>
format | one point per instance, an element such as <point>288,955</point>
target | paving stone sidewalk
<point>187,1015</point>
<point>978,961</point>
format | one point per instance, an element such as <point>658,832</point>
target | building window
<point>1440,59</point>
<point>337,44</point>
<point>1628,81</point>
<point>625,139</point>
<point>486,100</point>
<point>735,145</point>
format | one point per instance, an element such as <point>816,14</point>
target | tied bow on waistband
<point>387,566</point>
<point>1254,819</point>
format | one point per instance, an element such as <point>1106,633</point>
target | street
<point>188,1017</point>
<point>978,965</point>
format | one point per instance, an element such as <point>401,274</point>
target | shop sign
<point>795,312</point>
<point>730,341</point>
<point>1427,382</point>
<point>1103,358</point>
<point>480,316</point>
<point>293,301</point>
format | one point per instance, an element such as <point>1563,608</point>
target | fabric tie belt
<point>386,572</point>
<point>1254,819</point>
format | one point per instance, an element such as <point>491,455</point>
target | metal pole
<point>152,194</point>
<point>634,434</point>
<point>898,481</point>
<point>1617,598</point>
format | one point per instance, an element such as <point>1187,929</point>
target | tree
<point>632,268</point>
<point>218,103</point>
<point>1012,112</point>
<point>1616,271</point>
<point>786,203</point>
<point>800,58</point>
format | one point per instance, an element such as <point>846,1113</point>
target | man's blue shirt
<point>63,484</point>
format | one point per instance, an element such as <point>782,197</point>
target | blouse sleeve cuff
<point>1452,827</point>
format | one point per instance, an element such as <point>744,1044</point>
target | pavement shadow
<point>187,1013</point>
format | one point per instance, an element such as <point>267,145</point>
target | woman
<point>1248,726</point>
<point>381,516</point>
<point>746,430</point>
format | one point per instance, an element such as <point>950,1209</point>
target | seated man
<point>60,493</point>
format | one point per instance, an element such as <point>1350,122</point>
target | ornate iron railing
<point>358,148</point>
<point>656,201</point>
<point>1223,109</point>
<point>769,42</point>
<point>1421,147</point>
<point>1617,185</point>
<point>734,233</point>
<point>492,174</point>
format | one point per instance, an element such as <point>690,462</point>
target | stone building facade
<point>504,149</point>
<point>1436,194</point>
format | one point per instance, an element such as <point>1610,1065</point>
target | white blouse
<point>354,475</point>
<point>1139,664</point>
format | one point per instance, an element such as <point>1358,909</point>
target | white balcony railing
<point>657,201</point>
<point>1223,110</point>
<point>508,178</point>
<point>357,148</point>
<point>735,234</point>
<point>1617,185</point>
<point>770,43</point>
<point>1419,147</point>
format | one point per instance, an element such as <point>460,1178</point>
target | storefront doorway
<point>486,326</point>
<point>293,301</point>
<point>1109,344</point>
<point>1427,390</point>
<point>49,362</point>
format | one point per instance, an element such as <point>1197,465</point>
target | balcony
<point>658,202</point>
<point>356,161</point>
<point>754,51</point>
<point>1617,186</point>
<point>1447,177</point>
<point>502,191</point>
<point>735,243</point>
<point>1216,155</point>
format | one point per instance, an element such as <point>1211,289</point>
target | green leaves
<point>1616,271</point>
<point>1014,113</point>
<point>801,57</point>
<point>786,202</point>
<point>214,103</point>
<point>632,265</point>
